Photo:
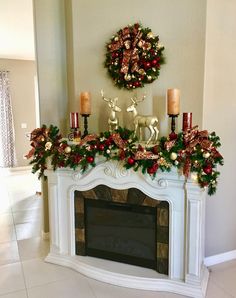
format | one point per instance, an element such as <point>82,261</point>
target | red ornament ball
<point>154,62</point>
<point>147,65</point>
<point>90,159</point>
<point>151,170</point>
<point>136,84</point>
<point>207,169</point>
<point>101,147</point>
<point>131,161</point>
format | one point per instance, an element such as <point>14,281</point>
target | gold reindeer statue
<point>142,121</point>
<point>113,120</point>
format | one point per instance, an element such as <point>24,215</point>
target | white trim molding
<point>220,258</point>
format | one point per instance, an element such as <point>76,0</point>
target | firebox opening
<point>122,225</point>
<point>121,232</point>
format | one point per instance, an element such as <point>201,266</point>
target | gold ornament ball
<point>150,35</point>
<point>173,156</point>
<point>68,149</point>
<point>127,77</point>
<point>206,154</point>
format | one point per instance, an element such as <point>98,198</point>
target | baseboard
<point>15,171</point>
<point>220,258</point>
<point>45,236</point>
<point>23,168</point>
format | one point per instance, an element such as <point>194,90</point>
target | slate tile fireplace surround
<point>108,195</point>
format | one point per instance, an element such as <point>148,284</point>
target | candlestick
<point>173,135</point>
<point>187,121</point>
<point>85,116</point>
<point>173,96</point>
<point>74,120</point>
<point>85,103</point>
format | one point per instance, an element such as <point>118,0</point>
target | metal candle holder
<point>85,116</point>
<point>173,134</point>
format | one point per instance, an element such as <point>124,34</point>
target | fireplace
<point>72,191</point>
<point>122,225</point>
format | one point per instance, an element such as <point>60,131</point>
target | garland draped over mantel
<point>191,152</point>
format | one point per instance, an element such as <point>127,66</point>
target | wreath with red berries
<point>134,56</point>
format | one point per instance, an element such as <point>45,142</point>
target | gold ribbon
<point>130,52</point>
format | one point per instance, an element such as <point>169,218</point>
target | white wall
<point>219,115</point>
<point>181,27</point>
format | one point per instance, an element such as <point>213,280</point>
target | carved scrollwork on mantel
<point>76,176</point>
<point>115,170</point>
<point>162,183</point>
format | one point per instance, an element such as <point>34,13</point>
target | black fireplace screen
<point>122,225</point>
<point>121,232</point>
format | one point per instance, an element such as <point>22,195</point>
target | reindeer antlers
<point>135,100</point>
<point>104,98</point>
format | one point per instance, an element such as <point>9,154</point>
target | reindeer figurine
<point>113,121</point>
<point>141,121</point>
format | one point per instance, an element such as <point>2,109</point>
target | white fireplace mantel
<point>187,273</point>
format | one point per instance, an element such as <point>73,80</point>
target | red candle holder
<point>187,121</point>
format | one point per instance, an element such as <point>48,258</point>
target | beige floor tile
<point>27,215</point>
<point>28,230</point>
<point>223,266</point>
<point>172,295</point>
<point>24,202</point>
<point>11,278</point>
<point>214,291</point>
<point>37,272</point>
<point>104,290</point>
<point>225,279</point>
<point>7,234</point>
<point>6,219</point>
<point>4,201</point>
<point>33,248</point>
<point>18,294</point>
<point>70,288</point>
<point>9,253</point>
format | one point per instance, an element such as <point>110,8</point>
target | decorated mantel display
<point>134,57</point>
<point>142,121</point>
<point>191,151</point>
<point>113,120</point>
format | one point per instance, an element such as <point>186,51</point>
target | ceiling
<point>16,29</point>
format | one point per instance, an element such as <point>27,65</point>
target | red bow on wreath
<point>128,40</point>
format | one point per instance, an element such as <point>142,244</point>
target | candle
<point>173,101</point>
<point>74,120</point>
<point>85,103</point>
<point>187,121</point>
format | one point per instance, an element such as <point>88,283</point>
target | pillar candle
<point>187,121</point>
<point>74,120</point>
<point>173,96</point>
<point>85,103</point>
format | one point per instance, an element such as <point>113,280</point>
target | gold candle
<point>85,103</point>
<point>173,96</point>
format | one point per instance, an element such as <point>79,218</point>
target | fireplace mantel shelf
<point>187,273</point>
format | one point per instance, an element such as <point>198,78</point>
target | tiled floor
<point>23,273</point>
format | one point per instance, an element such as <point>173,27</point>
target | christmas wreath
<point>192,152</point>
<point>134,56</point>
